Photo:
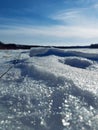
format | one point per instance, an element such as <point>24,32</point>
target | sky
<point>49,22</point>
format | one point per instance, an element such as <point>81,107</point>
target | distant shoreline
<point>13,46</point>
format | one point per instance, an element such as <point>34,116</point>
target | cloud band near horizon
<point>65,26</point>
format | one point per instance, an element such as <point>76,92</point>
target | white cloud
<point>54,35</point>
<point>53,31</point>
<point>77,25</point>
<point>65,14</point>
<point>74,17</point>
<point>86,17</point>
<point>95,6</point>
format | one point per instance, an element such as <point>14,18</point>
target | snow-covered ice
<point>49,89</point>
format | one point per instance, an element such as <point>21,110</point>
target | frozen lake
<point>49,89</point>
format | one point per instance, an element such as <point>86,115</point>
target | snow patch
<point>42,51</point>
<point>40,93</point>
<point>46,52</point>
<point>77,62</point>
<point>37,51</point>
<point>39,74</point>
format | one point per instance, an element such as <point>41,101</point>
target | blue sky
<point>49,22</point>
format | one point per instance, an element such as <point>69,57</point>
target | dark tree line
<point>94,45</point>
<point>16,46</point>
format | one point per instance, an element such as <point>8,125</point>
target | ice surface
<point>61,52</point>
<point>49,89</point>
<point>77,62</point>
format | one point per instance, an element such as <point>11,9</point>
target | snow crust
<point>49,89</point>
<point>77,62</point>
<point>58,52</point>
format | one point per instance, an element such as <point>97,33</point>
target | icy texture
<point>77,62</point>
<point>58,52</point>
<point>49,89</point>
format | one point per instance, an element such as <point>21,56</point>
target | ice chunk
<point>37,51</point>
<point>77,62</point>
<point>43,51</point>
